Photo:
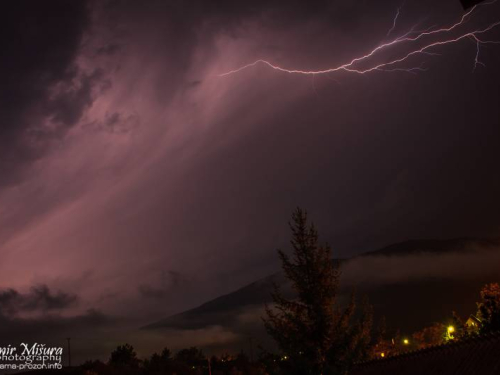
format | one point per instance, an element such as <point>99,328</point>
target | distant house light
<point>406,342</point>
<point>473,322</point>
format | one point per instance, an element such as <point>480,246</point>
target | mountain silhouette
<point>412,284</point>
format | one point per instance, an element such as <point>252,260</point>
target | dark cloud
<point>39,43</point>
<point>39,299</point>
<point>53,324</point>
<point>170,282</point>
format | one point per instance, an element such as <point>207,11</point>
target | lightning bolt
<point>395,20</point>
<point>409,37</point>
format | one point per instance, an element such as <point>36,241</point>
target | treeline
<point>191,361</point>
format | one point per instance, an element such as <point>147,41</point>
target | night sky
<point>137,182</point>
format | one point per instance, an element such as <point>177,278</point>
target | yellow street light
<point>406,342</point>
<point>450,331</point>
<point>382,354</point>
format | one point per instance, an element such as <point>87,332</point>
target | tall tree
<point>315,336</point>
<point>489,308</point>
<point>433,335</point>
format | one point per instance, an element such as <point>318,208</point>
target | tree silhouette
<point>489,308</point>
<point>158,363</point>
<point>430,336</point>
<point>314,335</point>
<point>124,355</point>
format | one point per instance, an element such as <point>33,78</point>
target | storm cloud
<point>43,91</point>
<point>39,298</point>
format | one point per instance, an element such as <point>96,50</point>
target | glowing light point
<point>406,342</point>
<point>451,329</point>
